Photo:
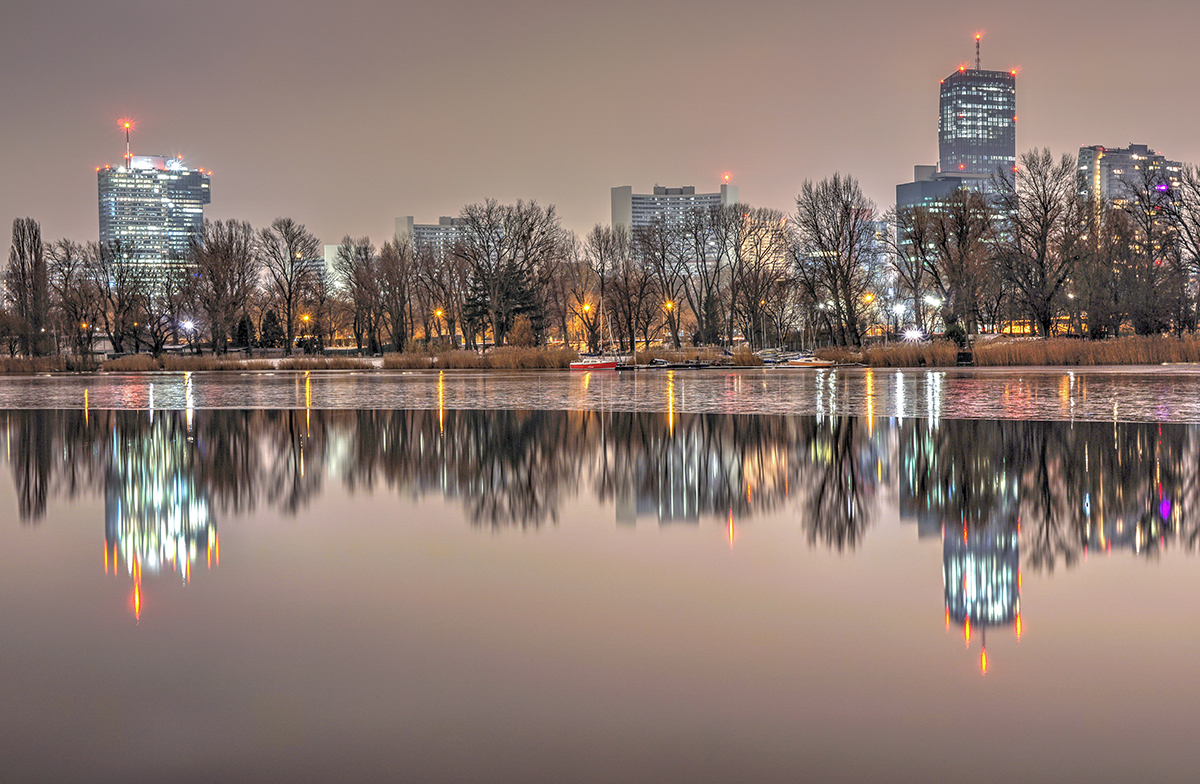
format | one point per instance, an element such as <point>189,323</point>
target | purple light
<point>1162,187</point>
<point>1164,508</point>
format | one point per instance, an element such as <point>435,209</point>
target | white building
<point>671,205</point>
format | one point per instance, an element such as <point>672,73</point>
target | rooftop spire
<point>977,37</point>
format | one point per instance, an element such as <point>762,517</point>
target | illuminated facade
<point>1105,174</point>
<point>977,122</point>
<point>977,136</point>
<point>153,207</point>
<point>670,205</point>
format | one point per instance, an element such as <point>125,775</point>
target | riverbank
<point>995,352</point>
<point>1026,352</point>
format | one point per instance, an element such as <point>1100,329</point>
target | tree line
<point>1028,249</point>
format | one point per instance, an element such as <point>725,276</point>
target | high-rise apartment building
<point>1106,173</point>
<point>153,206</point>
<point>440,236</point>
<point>670,205</point>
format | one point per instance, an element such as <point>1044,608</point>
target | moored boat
<point>811,362</point>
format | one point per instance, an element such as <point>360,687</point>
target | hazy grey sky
<point>344,115</point>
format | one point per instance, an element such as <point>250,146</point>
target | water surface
<point>595,595</point>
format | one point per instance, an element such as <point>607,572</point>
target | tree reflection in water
<point>1066,488</point>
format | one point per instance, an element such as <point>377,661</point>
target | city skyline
<point>433,108</point>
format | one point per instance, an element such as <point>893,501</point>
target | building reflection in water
<point>157,515</point>
<point>1004,496</point>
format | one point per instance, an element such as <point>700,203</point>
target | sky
<point>347,115</point>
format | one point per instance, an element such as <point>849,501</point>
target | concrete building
<point>671,205</point>
<point>440,236</point>
<point>1105,174</point>
<point>154,206</point>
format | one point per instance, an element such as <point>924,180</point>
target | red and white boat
<point>597,363</point>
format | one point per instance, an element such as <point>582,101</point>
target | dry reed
<point>40,364</point>
<point>505,357</point>
<point>939,353</point>
<point>323,363</point>
<point>1132,350</point>
<point>839,354</point>
<point>675,356</point>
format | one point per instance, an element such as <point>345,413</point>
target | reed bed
<point>939,353</point>
<point>323,363</point>
<point>139,363</point>
<point>839,354</point>
<point>1132,350</point>
<point>43,364</point>
<point>701,354</point>
<point>505,357</point>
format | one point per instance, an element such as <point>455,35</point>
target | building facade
<point>977,136</point>
<point>153,207</point>
<point>670,205</point>
<point>440,237</point>
<point>1107,174</point>
<point>977,122</point>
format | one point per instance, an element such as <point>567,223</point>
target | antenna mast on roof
<point>126,125</point>
<point>977,37</point>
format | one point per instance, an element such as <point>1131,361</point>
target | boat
<point>603,362</point>
<point>811,362</point>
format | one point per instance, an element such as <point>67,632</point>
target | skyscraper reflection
<point>1075,487</point>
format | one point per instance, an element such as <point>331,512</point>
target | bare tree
<point>834,242</point>
<point>287,250</point>
<point>397,274</point>
<point>1039,241</point>
<point>119,281</point>
<point>357,268</point>
<point>74,294</point>
<point>226,266</point>
<point>960,232</point>
<point>659,248</point>
<point>503,247</point>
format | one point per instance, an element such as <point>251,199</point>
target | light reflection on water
<point>444,499</point>
<point>1139,394</point>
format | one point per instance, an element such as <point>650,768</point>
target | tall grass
<point>507,357</point>
<point>675,356</point>
<point>136,363</point>
<point>44,364</point>
<point>1133,350</point>
<point>839,354</point>
<point>939,353</point>
<point>323,363</point>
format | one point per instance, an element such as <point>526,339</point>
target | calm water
<point>1138,394</point>
<point>604,593</point>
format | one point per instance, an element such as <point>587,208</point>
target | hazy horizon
<point>346,117</point>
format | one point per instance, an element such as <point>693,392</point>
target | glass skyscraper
<point>153,207</point>
<point>977,124</point>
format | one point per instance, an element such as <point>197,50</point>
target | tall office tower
<point>977,122</point>
<point>671,205</point>
<point>977,135</point>
<point>153,206</point>
<point>1105,174</point>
